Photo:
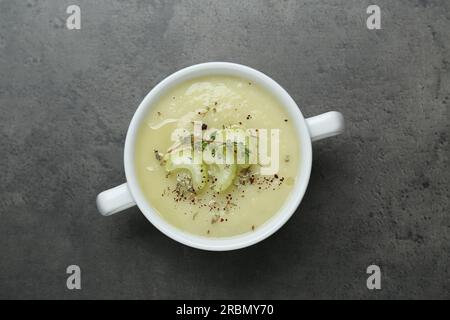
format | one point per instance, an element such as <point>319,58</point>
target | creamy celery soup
<point>210,118</point>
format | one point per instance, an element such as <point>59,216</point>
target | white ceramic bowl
<point>130,194</point>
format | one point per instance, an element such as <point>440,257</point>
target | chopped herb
<point>158,155</point>
<point>204,111</point>
<point>204,144</point>
<point>215,218</point>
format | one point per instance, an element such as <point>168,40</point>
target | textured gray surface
<point>378,194</point>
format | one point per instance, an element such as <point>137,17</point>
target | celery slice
<point>181,161</point>
<point>222,176</point>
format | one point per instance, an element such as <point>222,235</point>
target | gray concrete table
<point>378,195</point>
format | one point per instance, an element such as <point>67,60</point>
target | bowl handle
<point>326,125</point>
<point>115,200</point>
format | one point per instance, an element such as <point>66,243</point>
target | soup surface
<point>249,198</point>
